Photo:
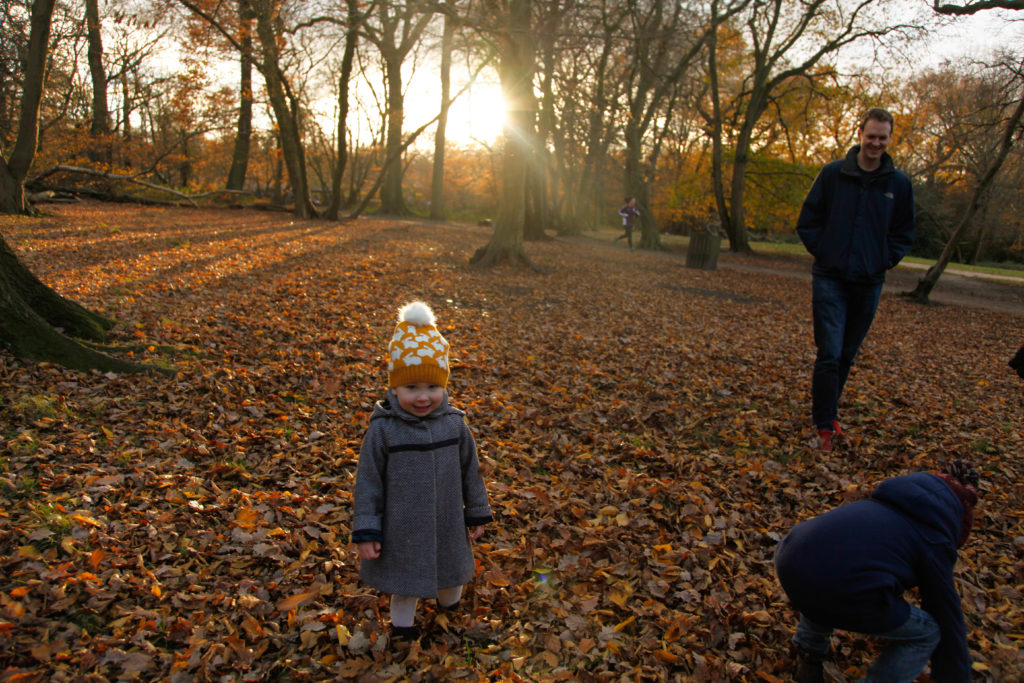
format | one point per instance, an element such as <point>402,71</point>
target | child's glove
<point>1017,362</point>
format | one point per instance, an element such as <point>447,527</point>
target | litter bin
<point>703,250</point>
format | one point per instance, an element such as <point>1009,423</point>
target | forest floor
<point>642,427</point>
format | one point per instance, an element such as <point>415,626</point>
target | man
<point>849,568</point>
<point>857,222</point>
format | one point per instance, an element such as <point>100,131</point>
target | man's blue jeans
<point>904,656</point>
<point>843,312</point>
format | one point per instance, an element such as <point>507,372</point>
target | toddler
<point>419,497</point>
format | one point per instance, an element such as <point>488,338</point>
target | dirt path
<point>975,290</point>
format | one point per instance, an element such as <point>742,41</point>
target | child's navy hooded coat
<point>850,567</point>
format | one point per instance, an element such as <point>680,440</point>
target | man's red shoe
<point>825,439</point>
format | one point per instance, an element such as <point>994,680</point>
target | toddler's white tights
<point>403,607</point>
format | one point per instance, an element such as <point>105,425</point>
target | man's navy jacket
<point>849,567</point>
<point>856,224</point>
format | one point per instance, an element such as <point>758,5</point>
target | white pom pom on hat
<point>417,313</point>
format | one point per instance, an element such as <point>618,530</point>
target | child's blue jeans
<point>907,652</point>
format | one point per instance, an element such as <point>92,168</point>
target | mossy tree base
<point>38,324</point>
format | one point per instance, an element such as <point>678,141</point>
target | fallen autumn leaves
<point>642,427</point>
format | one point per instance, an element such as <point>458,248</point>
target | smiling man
<point>857,222</point>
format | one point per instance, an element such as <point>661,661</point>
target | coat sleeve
<point>951,661</point>
<point>813,215</point>
<point>368,503</point>
<point>474,492</point>
<point>901,231</point>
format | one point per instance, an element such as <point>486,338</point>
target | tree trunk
<point>927,283</point>
<point>586,207</point>
<point>392,201</point>
<point>31,315</point>
<point>736,227</point>
<point>437,208</point>
<point>341,158</point>
<point>14,170</point>
<point>717,172</point>
<point>516,73</point>
<point>289,131</point>
<point>100,128</point>
<point>243,135</point>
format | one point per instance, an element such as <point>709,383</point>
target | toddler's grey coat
<point>417,489</point>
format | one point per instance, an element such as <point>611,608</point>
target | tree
<point>270,31</point>
<point>661,50</point>
<point>243,132</point>
<point>516,69</point>
<point>14,170</point>
<point>395,33</point>
<point>355,19</point>
<point>977,6</point>
<point>786,41</point>
<point>31,312</point>
<point>600,100</point>
<point>437,209</point>
<point>100,127</point>
<point>1011,133</point>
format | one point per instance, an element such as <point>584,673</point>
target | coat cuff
<point>367,535</point>
<point>478,521</point>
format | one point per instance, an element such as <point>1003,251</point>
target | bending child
<point>419,497</point>
<point>849,568</point>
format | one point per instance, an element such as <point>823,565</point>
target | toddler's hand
<point>475,532</point>
<point>369,550</point>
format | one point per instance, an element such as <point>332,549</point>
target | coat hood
<point>389,407</point>
<point>850,166</point>
<point>929,501</point>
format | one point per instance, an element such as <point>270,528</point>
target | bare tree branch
<point>975,7</point>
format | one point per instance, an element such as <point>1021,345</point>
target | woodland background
<point>643,429</point>
<point>183,515</point>
<point>716,111</point>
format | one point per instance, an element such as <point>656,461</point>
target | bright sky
<point>975,36</point>
<point>475,117</point>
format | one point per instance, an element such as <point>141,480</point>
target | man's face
<point>874,138</point>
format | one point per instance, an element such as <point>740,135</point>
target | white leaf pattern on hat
<point>416,342</point>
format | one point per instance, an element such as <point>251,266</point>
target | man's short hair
<point>878,114</point>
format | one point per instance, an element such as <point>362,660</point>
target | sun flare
<point>477,116</point>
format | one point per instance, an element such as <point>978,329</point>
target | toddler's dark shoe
<point>809,667</point>
<point>404,635</point>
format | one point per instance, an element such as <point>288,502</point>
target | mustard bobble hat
<point>417,352</point>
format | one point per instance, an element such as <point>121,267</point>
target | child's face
<point>420,399</point>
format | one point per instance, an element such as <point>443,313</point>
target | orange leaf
<point>290,603</point>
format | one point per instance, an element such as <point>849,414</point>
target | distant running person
<point>629,213</point>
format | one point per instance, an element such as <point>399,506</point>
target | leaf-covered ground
<point>643,428</point>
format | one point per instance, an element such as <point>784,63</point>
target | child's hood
<point>927,500</point>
